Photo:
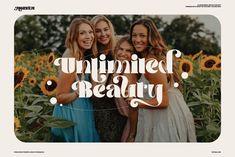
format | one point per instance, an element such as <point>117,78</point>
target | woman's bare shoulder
<point>67,54</point>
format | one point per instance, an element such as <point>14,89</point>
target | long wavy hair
<point>157,47</point>
<point>71,41</point>
<point>111,45</point>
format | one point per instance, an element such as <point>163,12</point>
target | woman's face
<point>124,51</point>
<point>140,37</point>
<point>85,36</point>
<point>103,32</point>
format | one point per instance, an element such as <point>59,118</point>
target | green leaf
<point>30,114</point>
<point>60,124</point>
<point>40,99</point>
<point>34,108</point>
<point>57,122</point>
<point>194,103</point>
<point>31,120</point>
<point>212,128</point>
<point>195,94</point>
<point>33,95</point>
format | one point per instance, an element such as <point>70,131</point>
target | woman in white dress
<point>172,120</point>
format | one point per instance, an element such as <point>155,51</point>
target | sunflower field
<point>202,92</point>
<point>35,83</point>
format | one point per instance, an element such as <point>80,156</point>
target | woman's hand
<point>77,90</point>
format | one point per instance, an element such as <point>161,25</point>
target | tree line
<point>46,33</point>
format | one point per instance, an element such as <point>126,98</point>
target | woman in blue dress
<point>79,43</point>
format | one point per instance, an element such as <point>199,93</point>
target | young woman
<point>172,120</point>
<point>123,52</point>
<point>109,122</point>
<point>80,44</point>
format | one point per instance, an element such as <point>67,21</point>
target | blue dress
<point>80,111</point>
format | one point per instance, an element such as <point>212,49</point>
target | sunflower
<point>188,57</point>
<point>195,56</point>
<point>32,81</point>
<point>219,56</point>
<point>177,60</point>
<point>204,56</point>
<point>186,66</point>
<point>51,58</point>
<point>18,57</point>
<point>43,58</point>
<point>217,66</point>
<point>19,75</point>
<point>49,68</point>
<point>40,62</point>
<point>48,85</point>
<point>208,63</point>
<point>37,68</point>
<point>17,123</point>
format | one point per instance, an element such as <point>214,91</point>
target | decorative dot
<point>53,100</point>
<point>49,82</point>
<point>178,53</point>
<point>61,105</point>
<point>184,75</point>
<point>176,84</point>
<point>134,57</point>
<point>102,57</point>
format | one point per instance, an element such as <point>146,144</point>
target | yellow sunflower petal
<point>208,63</point>
<point>217,66</point>
<point>20,74</point>
<point>49,85</point>
<point>197,55</point>
<point>186,66</point>
<point>37,68</point>
<point>17,124</point>
<point>219,56</point>
<point>51,58</point>
<point>32,81</point>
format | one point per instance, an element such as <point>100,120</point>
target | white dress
<point>173,124</point>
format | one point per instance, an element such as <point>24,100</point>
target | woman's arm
<point>153,102</point>
<point>157,78</point>
<point>65,81</point>
<point>63,93</point>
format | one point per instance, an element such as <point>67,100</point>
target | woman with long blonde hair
<point>109,122</point>
<point>80,45</point>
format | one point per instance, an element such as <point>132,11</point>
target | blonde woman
<point>80,44</point>
<point>123,52</point>
<point>109,122</point>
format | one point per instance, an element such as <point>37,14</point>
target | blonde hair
<point>71,39</point>
<point>111,45</point>
<point>119,42</point>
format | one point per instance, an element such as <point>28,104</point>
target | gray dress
<point>173,124</point>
